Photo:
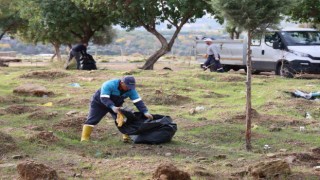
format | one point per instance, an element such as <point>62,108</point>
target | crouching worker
<point>108,99</point>
<point>213,56</point>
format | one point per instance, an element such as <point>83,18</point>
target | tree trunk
<point>248,99</point>
<point>154,58</point>
<point>237,34</point>
<point>2,34</point>
<point>57,50</point>
<point>52,57</point>
<point>165,46</point>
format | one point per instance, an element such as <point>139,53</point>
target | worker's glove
<point>148,115</point>
<point>115,109</point>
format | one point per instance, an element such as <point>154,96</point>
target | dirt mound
<point>44,137</point>
<point>168,171</point>
<point>270,170</point>
<point>20,109</point>
<point>11,99</point>
<point>206,76</point>
<point>30,171</point>
<point>161,98</point>
<point>211,94</point>
<point>72,123</point>
<point>45,74</point>
<point>73,102</point>
<point>32,90</point>
<point>266,119</point>
<point>7,143</point>
<point>42,115</point>
<point>233,79</point>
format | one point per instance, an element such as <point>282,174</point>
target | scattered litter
<point>255,126</point>
<point>312,95</point>
<point>45,96</point>
<point>308,115</point>
<point>49,104</point>
<point>75,85</point>
<point>302,128</point>
<point>266,147</point>
<point>200,108</point>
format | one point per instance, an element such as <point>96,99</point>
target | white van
<point>287,52</point>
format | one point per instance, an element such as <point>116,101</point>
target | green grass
<point>204,134</point>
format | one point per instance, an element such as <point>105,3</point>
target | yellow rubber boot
<point>86,132</point>
<point>125,138</point>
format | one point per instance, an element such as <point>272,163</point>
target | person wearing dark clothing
<point>76,52</point>
<point>213,56</point>
<point>108,99</point>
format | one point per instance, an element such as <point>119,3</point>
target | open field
<point>209,144</point>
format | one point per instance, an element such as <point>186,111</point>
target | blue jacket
<point>110,95</point>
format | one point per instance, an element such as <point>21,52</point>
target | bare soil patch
<point>32,90</point>
<point>45,75</point>
<point>12,99</point>
<point>72,123</point>
<point>7,143</point>
<point>169,171</point>
<point>44,137</point>
<point>20,109</point>
<point>212,94</point>
<point>42,115</point>
<point>161,98</point>
<point>266,119</point>
<point>29,170</point>
<point>73,102</point>
<point>232,78</point>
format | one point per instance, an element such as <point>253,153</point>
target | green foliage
<point>305,11</point>
<point>251,14</point>
<point>148,14</point>
<point>62,21</point>
<point>10,20</point>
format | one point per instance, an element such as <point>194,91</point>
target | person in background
<point>108,99</point>
<point>76,52</point>
<point>213,56</point>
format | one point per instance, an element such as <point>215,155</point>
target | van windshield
<point>301,38</point>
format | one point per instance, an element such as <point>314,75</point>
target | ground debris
<point>7,143</point>
<point>270,169</point>
<point>168,171</point>
<point>30,170</point>
<point>32,90</point>
<point>45,74</point>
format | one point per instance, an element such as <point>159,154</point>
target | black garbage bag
<point>144,131</point>
<point>87,62</point>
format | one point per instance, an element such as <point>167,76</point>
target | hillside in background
<point>137,41</point>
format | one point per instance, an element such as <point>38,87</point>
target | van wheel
<point>226,68</point>
<point>286,71</point>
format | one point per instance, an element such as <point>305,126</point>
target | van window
<point>256,39</point>
<point>301,38</point>
<point>270,38</point>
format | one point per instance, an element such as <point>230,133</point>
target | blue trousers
<point>97,112</point>
<point>211,60</point>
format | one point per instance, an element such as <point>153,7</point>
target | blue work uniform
<point>110,95</point>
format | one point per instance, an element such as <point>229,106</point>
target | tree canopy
<point>150,13</point>
<point>305,11</point>
<point>10,20</point>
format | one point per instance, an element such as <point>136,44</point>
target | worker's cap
<point>129,81</point>
<point>207,40</point>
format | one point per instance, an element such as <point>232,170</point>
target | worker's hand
<point>115,109</point>
<point>148,115</point>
